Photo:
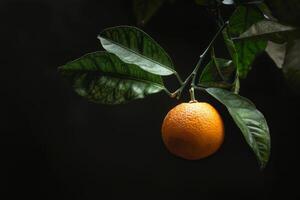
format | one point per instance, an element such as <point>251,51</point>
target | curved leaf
<point>134,46</point>
<point>250,121</point>
<point>102,77</point>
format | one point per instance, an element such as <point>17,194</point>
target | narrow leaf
<point>250,121</point>
<point>102,77</point>
<point>134,46</point>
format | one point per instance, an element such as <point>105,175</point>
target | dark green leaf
<point>219,73</point>
<point>134,46</point>
<point>102,77</point>
<point>145,9</point>
<point>239,22</point>
<point>250,121</point>
<point>270,30</point>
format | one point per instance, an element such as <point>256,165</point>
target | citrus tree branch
<point>194,73</point>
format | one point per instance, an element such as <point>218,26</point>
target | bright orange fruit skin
<point>193,130</point>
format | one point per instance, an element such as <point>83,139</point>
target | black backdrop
<point>56,145</point>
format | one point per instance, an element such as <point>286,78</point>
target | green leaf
<point>242,18</point>
<point>145,9</point>
<point>219,73</point>
<point>250,121</point>
<point>270,30</point>
<point>102,77</point>
<point>134,46</point>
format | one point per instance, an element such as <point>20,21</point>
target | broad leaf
<point>145,9</point>
<point>270,30</point>
<point>102,77</point>
<point>134,46</point>
<point>250,121</point>
<point>219,73</point>
<point>239,22</point>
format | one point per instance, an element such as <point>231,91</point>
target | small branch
<point>178,78</point>
<point>194,73</point>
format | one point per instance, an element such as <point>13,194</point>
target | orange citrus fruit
<point>193,130</point>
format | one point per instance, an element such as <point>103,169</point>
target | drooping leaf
<point>145,9</point>
<point>242,18</point>
<point>134,46</point>
<point>250,121</point>
<point>102,77</point>
<point>219,73</point>
<point>270,30</point>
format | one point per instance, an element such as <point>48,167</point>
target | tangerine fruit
<point>193,130</point>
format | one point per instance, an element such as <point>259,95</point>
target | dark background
<point>56,145</point>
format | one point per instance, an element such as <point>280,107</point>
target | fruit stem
<point>192,93</point>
